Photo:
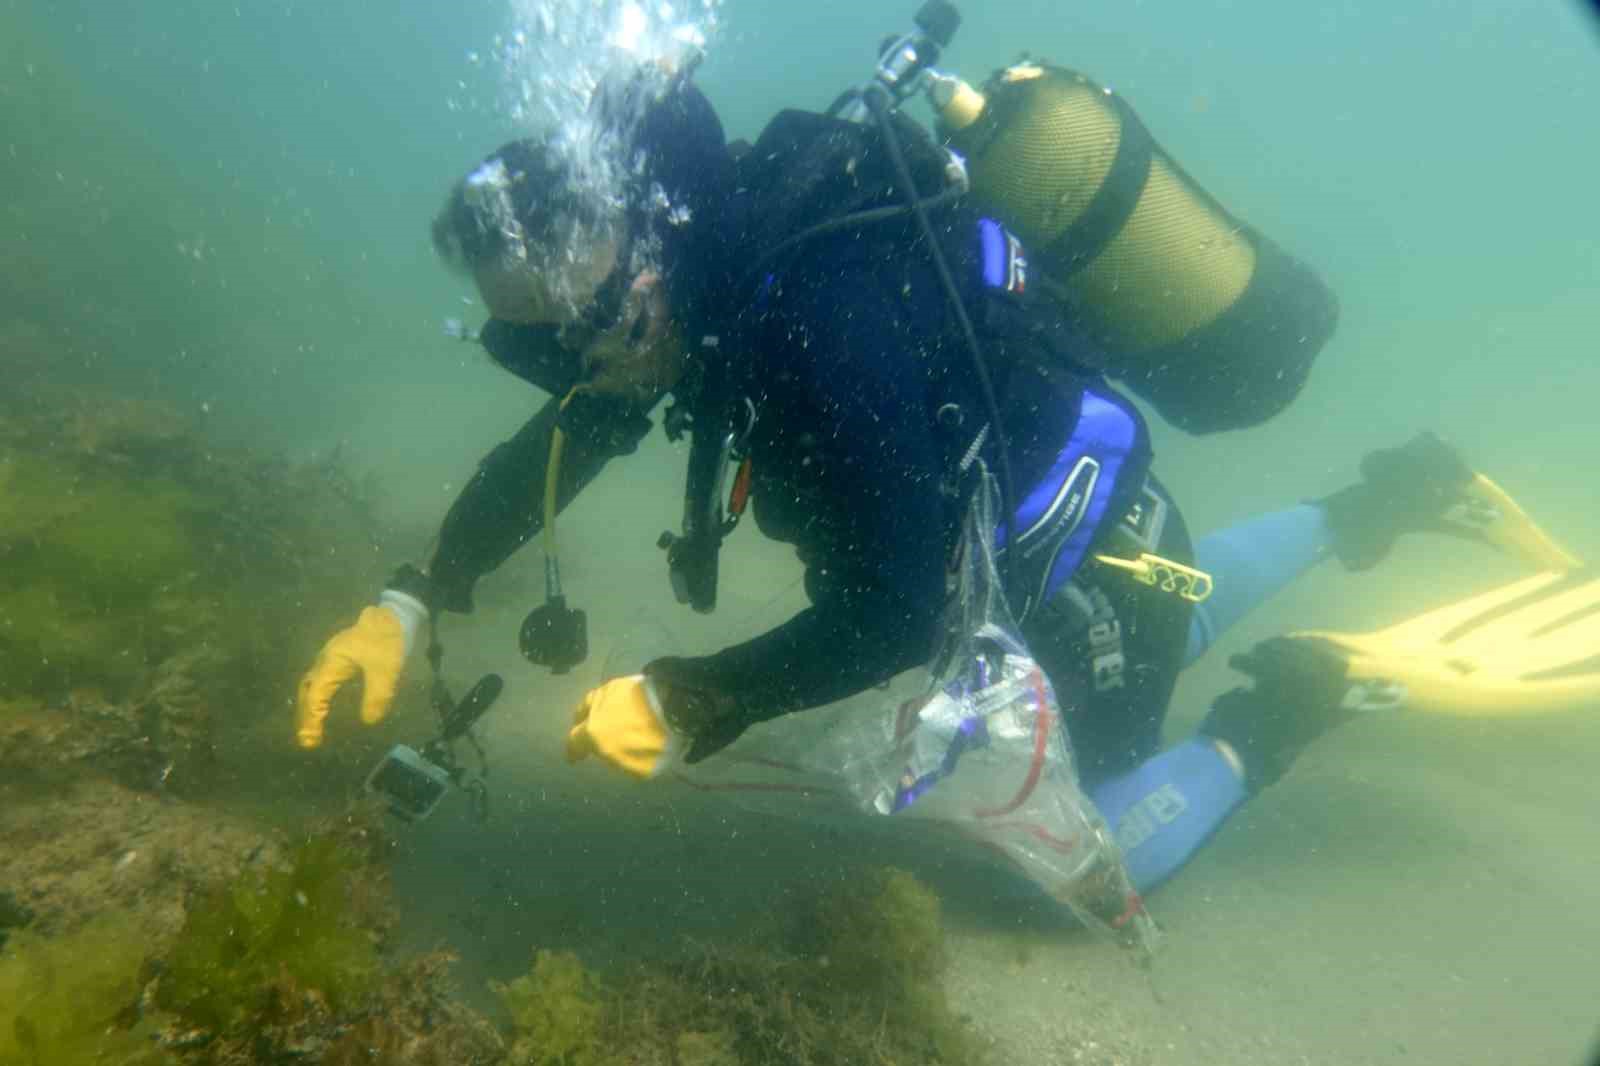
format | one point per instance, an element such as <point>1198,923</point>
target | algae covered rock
<point>862,983</point>
<point>416,1021</point>
<point>93,847</point>
<point>284,965</point>
<point>163,932</point>
<point>272,943</point>
<point>156,588</point>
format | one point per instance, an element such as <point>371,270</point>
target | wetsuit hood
<point>684,175</point>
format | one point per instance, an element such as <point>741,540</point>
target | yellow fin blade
<point>1491,512</point>
<point>1530,647</point>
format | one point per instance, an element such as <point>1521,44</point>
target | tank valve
<point>957,103</point>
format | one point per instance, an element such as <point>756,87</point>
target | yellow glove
<point>373,650</point>
<point>621,722</point>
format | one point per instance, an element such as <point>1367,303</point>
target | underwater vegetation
<point>271,936</point>
<point>156,588</point>
<point>13,915</point>
<point>859,982</point>
<point>284,962</point>
<point>557,1011</point>
<point>284,965</point>
<point>159,595</point>
<point>279,963</point>
<point>71,1001</point>
<point>880,936</point>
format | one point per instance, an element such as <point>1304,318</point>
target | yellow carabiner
<point>1183,581</point>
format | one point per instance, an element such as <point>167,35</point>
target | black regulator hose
<point>855,220</point>
<point>874,98</point>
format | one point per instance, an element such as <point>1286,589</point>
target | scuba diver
<point>834,316</point>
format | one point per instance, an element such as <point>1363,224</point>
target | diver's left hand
<point>623,725</point>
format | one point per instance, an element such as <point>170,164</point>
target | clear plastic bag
<point>974,746</point>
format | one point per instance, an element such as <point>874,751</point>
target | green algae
<point>119,536</point>
<point>557,1010</point>
<point>247,944</point>
<point>84,552</point>
<point>72,1000</point>
<point>160,593</point>
<point>859,980</point>
<point>880,936</point>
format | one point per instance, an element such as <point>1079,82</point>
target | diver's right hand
<point>372,651</point>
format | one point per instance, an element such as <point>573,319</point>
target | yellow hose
<point>552,477</point>
<point>552,472</point>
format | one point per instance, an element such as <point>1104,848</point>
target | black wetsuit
<point>866,402</point>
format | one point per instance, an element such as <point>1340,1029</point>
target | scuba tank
<point>1195,311</point>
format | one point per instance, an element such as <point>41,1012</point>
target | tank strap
<point>1113,202</point>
